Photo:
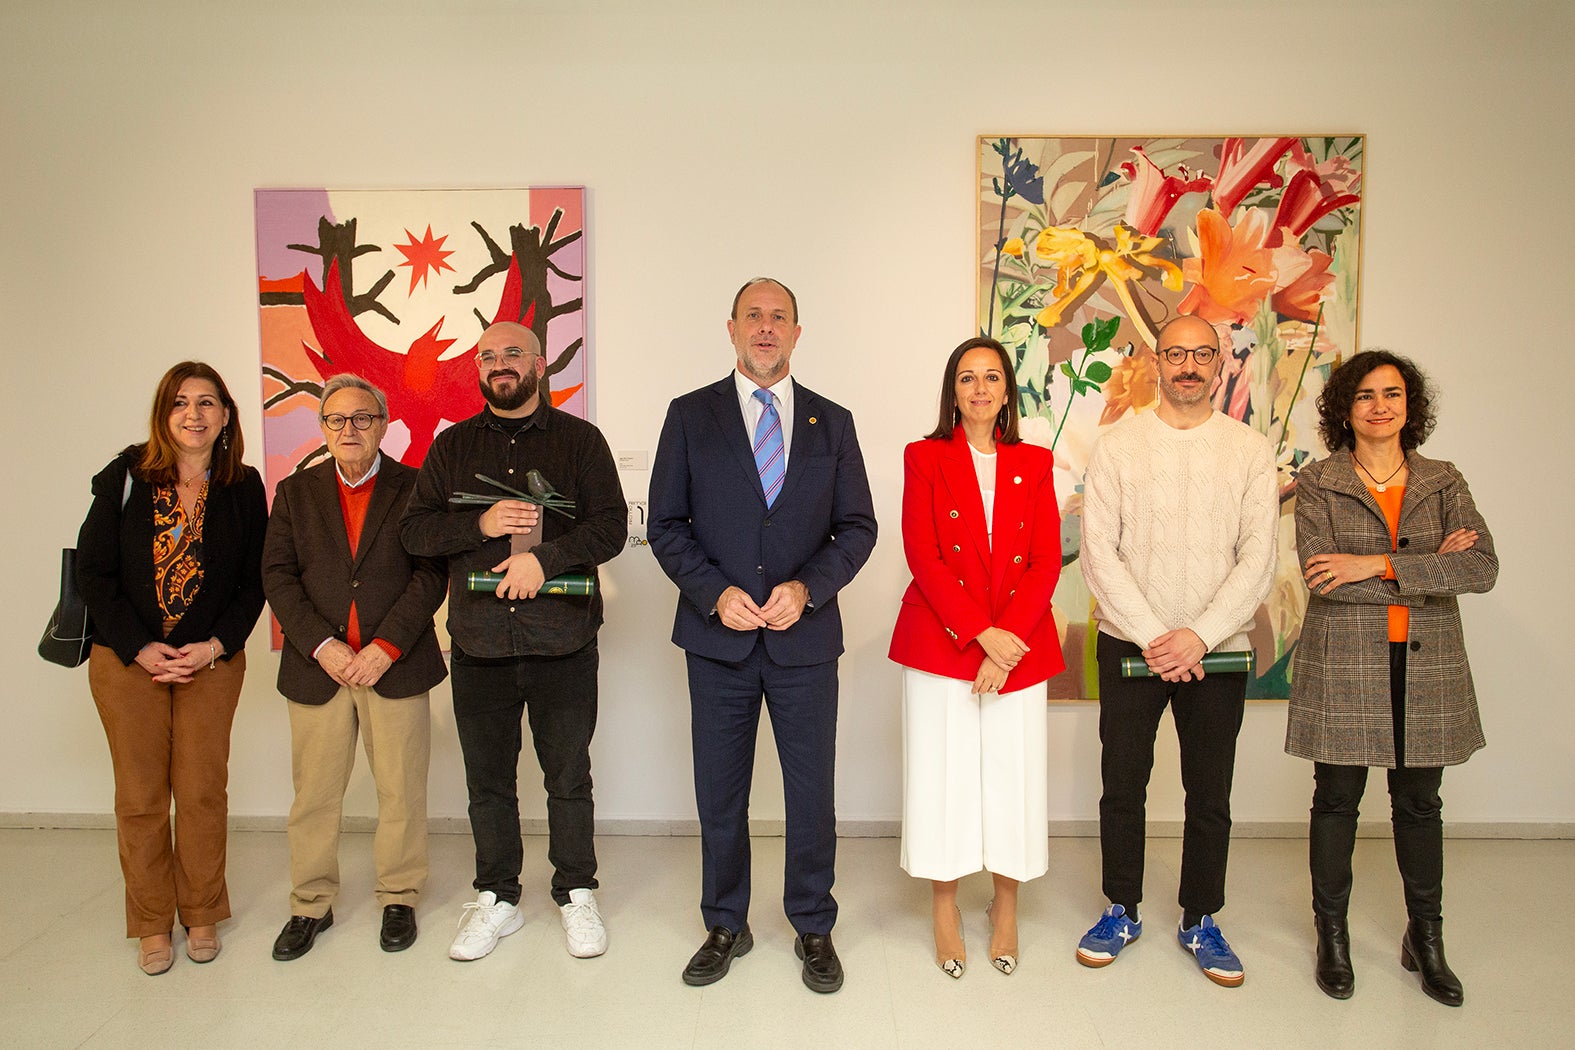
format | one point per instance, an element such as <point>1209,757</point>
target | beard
<point>1177,396</point>
<point>524,390</point>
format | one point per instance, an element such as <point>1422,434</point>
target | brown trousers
<point>169,742</point>
<point>397,736</point>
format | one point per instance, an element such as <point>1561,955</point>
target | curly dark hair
<point>1339,394</point>
<point>950,416</point>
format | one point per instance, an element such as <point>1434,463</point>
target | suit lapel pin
<point>811,420</point>
<point>1017,480</point>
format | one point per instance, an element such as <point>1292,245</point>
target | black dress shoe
<point>1334,973</point>
<point>721,947</point>
<point>295,940</point>
<point>822,968</point>
<point>399,927</point>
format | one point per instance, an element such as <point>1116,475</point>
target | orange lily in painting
<point>1154,193</point>
<point>1233,270</point>
<point>1082,263</point>
<point>1133,383</point>
<point>1242,169</point>
<point>1302,281</point>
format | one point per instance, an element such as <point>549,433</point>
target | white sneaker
<point>582,925</point>
<point>482,924</point>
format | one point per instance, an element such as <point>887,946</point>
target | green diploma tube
<point>566,584</point>
<point>1213,663</point>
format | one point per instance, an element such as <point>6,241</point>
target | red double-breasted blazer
<point>960,584</point>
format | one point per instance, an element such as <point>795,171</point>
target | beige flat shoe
<point>203,947</point>
<point>154,961</point>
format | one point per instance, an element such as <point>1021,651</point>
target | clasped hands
<point>1325,572</point>
<point>1176,656</point>
<point>522,573</point>
<point>783,607</point>
<point>348,667</point>
<point>170,665</point>
<point>1003,650</point>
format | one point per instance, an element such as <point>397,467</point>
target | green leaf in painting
<point>1088,333</point>
<point>1098,371</point>
<point>1066,370</point>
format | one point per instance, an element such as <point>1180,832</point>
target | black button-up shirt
<point>574,458</point>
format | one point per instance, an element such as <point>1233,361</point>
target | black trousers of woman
<point>1416,811</point>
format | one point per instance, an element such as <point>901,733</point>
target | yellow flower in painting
<point>1081,263</point>
<point>1013,247</point>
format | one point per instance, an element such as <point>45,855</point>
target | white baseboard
<point>853,829</point>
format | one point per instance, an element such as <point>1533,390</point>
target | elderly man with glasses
<point>520,650</point>
<point>1180,528</point>
<point>360,657</point>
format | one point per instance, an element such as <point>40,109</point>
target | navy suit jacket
<point>710,529</point>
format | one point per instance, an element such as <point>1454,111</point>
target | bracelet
<point>213,656</point>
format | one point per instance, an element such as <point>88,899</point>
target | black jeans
<point>1208,716</point>
<point>558,694</point>
<point>1416,812</point>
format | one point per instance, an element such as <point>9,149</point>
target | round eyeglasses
<point>510,356</point>
<point>361,421</point>
<point>1178,354</point>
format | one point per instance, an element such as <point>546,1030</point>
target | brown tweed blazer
<point>1340,709</point>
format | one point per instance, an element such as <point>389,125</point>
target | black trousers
<point>725,700</point>
<point>558,695</point>
<point>1416,812</point>
<point>1208,716</point>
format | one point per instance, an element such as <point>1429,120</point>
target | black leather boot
<point>1422,950</point>
<point>1334,972</point>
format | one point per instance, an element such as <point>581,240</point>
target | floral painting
<point>1087,246</point>
<point>396,286</point>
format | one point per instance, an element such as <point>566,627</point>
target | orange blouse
<point>1389,500</point>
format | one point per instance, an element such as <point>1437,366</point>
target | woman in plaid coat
<point>1387,539</point>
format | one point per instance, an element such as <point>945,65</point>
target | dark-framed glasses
<point>361,421</point>
<point>1178,354</point>
<point>512,355</point>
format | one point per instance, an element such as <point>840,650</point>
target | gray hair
<point>350,381</point>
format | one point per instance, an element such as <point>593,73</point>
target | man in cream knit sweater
<point>1180,512</point>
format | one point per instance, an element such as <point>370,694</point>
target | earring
<point>1346,423</point>
<point>224,441</point>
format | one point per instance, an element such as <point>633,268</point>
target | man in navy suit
<point>761,513</point>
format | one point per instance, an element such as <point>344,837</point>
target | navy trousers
<point>725,701</point>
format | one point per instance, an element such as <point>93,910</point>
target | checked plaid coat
<point>1340,709</point>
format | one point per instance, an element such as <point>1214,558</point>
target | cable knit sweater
<point>1180,529</point>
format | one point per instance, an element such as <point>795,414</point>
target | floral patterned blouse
<point>177,552</point>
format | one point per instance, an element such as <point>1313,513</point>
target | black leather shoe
<point>721,947</point>
<point>295,940</point>
<point>399,927</point>
<point>1334,972</point>
<point>822,968</point>
<point>1422,949</point>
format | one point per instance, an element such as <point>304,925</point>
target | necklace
<point>192,481</point>
<point>1382,485</point>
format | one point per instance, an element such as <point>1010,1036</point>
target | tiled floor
<point>68,980</point>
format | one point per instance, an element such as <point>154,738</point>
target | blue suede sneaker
<point>1207,945</point>
<point>1113,932</point>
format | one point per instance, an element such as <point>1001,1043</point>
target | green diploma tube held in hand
<point>569,583</point>
<point>1213,663</point>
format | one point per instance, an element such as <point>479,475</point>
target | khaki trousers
<point>397,736</point>
<point>169,742</point>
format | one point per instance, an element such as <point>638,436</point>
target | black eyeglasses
<point>1178,354</point>
<point>362,421</point>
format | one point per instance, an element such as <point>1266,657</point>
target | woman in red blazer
<point>977,641</point>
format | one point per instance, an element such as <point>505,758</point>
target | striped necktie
<point>770,457</point>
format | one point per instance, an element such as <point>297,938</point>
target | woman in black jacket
<point>169,561</point>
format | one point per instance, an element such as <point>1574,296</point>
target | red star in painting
<point>424,256</point>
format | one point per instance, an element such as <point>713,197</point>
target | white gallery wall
<point>831,144</point>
